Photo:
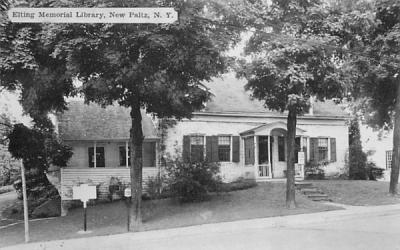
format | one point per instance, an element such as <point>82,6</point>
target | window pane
<point>224,140</point>
<point>323,142</point>
<point>197,140</point>
<point>122,156</point>
<point>389,159</point>
<point>224,153</point>
<point>100,161</point>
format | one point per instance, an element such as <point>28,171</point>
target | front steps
<point>311,192</point>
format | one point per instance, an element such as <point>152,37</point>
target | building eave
<point>267,115</point>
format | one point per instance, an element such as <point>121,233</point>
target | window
<point>389,159</point>
<point>322,149</point>
<point>148,154</point>
<point>196,148</point>
<point>224,148</point>
<point>281,148</point>
<point>100,163</point>
<point>122,156</point>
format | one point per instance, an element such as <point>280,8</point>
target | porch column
<point>269,154</point>
<point>126,154</point>
<point>94,154</point>
<point>255,153</point>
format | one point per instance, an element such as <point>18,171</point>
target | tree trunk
<point>290,171</point>
<point>136,142</point>
<point>394,175</point>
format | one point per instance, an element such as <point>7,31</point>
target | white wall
<point>214,125</point>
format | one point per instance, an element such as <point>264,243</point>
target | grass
<point>6,189</point>
<point>357,193</point>
<point>264,200</point>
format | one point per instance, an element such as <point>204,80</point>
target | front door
<point>264,156</point>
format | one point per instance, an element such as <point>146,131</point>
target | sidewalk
<point>128,240</point>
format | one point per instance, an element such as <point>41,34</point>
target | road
<point>364,231</point>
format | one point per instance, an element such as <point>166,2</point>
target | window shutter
<point>235,148</point>
<point>214,141</point>
<point>333,149</point>
<point>314,149</point>
<point>186,149</point>
<point>209,149</point>
<point>212,148</point>
<point>90,156</point>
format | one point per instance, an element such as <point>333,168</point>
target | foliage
<point>115,188</point>
<point>357,157</point>
<point>156,67</point>
<point>315,170</point>
<point>192,181</point>
<point>292,60</point>
<point>156,187</point>
<point>374,173</point>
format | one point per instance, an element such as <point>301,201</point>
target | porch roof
<point>82,122</point>
<point>267,128</point>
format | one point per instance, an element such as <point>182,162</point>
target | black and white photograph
<point>199,124</point>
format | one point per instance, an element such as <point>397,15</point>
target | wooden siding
<point>100,177</point>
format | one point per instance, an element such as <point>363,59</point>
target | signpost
<point>25,200</point>
<point>84,192</point>
<point>128,195</point>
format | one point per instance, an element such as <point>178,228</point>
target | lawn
<point>265,200</point>
<point>357,193</point>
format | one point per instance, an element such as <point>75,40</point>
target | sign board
<point>127,192</point>
<point>93,15</point>
<point>84,192</point>
<point>301,159</point>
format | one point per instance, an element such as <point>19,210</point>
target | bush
<point>314,170</point>
<point>192,181</point>
<point>374,172</point>
<point>156,188</point>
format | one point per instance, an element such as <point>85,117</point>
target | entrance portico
<point>265,149</point>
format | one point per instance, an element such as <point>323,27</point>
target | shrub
<point>116,189</point>
<point>156,188</point>
<point>314,170</point>
<point>192,181</point>
<point>373,171</point>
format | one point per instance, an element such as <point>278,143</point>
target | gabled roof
<point>229,96</point>
<point>92,122</point>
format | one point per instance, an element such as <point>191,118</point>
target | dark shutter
<point>235,148</point>
<point>212,148</point>
<point>314,149</point>
<point>214,152</point>
<point>333,149</point>
<point>249,150</point>
<point>90,154</point>
<point>186,149</point>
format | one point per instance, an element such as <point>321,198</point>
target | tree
<point>292,60</point>
<point>374,63</point>
<point>357,158</point>
<point>156,67</point>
